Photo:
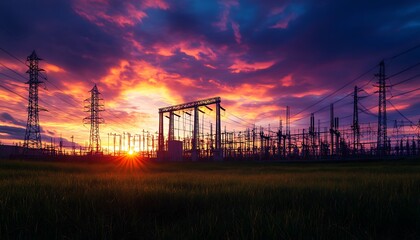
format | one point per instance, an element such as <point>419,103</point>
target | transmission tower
<point>332,127</point>
<point>32,133</point>
<point>356,126</point>
<point>382,126</point>
<point>289,143</point>
<point>93,106</point>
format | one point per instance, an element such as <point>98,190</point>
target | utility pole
<point>356,126</point>
<point>94,107</point>
<point>32,133</point>
<point>337,135</point>
<point>129,141</point>
<point>61,146</point>
<point>312,133</point>
<point>114,142</point>
<point>279,138</point>
<point>382,120</point>
<point>73,146</point>
<point>143,144</point>
<point>319,138</point>
<point>332,127</point>
<point>289,144</point>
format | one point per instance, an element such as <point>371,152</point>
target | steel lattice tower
<point>356,126</point>
<point>94,107</point>
<point>32,133</point>
<point>382,126</point>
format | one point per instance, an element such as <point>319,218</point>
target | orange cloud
<point>141,89</point>
<point>198,49</point>
<point>251,92</point>
<point>242,66</point>
<point>318,92</point>
<point>51,68</point>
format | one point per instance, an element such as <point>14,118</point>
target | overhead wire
<point>404,70</point>
<point>336,91</point>
<point>20,75</point>
<point>54,85</point>
<point>13,56</point>
<point>404,52</point>
<point>407,92</point>
<point>398,111</point>
<point>405,80</point>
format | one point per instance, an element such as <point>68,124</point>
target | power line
<point>13,56</point>
<point>341,88</point>
<point>8,89</point>
<point>367,110</point>
<point>401,113</point>
<point>404,52</point>
<point>8,76</point>
<point>404,93</point>
<point>48,104</point>
<point>406,80</point>
<point>404,70</point>
<point>20,75</point>
<point>243,120</point>
<point>393,57</point>
<point>323,108</point>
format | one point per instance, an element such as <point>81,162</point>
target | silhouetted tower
<point>312,133</point>
<point>94,107</point>
<point>289,143</point>
<point>32,133</point>
<point>356,127</point>
<point>332,128</point>
<point>382,126</point>
<point>337,135</point>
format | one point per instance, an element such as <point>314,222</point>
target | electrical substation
<point>196,130</point>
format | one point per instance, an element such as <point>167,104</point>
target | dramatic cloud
<point>259,57</point>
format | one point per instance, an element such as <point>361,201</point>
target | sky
<point>258,56</point>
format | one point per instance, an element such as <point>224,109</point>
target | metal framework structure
<point>94,106</point>
<point>356,125</point>
<point>217,153</point>
<point>382,120</point>
<point>32,133</point>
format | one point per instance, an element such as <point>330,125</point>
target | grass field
<point>44,200</point>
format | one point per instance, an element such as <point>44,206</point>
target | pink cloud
<point>284,23</point>
<point>159,4</point>
<point>277,10</point>
<point>242,66</point>
<point>236,32</point>
<point>287,81</point>
<point>101,12</point>
<point>224,17</point>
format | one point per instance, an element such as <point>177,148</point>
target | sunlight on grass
<point>130,162</point>
<point>131,198</point>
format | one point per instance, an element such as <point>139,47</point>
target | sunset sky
<point>258,56</point>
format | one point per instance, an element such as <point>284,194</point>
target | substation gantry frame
<point>217,153</point>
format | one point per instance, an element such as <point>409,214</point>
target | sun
<point>131,152</point>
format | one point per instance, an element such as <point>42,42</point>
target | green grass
<point>40,200</point>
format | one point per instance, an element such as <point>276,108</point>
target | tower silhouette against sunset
<point>93,106</point>
<point>32,133</point>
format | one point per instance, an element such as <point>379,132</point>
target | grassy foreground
<point>40,200</point>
